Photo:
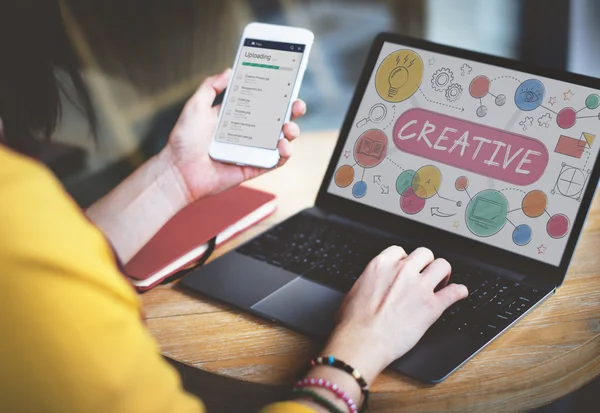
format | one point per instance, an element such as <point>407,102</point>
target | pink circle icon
<point>558,226</point>
<point>410,202</point>
<point>462,183</point>
<point>371,148</point>
<point>566,118</point>
<point>479,87</point>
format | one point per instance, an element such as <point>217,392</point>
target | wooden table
<point>552,352</point>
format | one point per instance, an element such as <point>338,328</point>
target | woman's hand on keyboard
<point>390,307</point>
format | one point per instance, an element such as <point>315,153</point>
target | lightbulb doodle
<point>399,76</point>
<point>507,167</point>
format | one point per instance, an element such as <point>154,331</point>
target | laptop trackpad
<point>303,305</point>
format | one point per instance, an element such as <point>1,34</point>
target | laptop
<point>489,162</point>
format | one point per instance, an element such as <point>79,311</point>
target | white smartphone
<point>267,73</point>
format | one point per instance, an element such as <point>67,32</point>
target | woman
<point>72,338</point>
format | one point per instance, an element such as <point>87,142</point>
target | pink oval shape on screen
<point>470,146</point>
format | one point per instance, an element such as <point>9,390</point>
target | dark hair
<point>33,46</point>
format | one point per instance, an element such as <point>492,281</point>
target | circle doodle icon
<point>404,181</point>
<point>479,87</point>
<point>592,102</point>
<point>399,76</point>
<point>441,79</point>
<point>500,100</point>
<point>344,176</point>
<point>359,189</point>
<point>462,183</point>
<point>566,118</point>
<point>522,235</point>
<point>570,182</point>
<point>481,111</point>
<point>486,213</point>
<point>426,181</point>
<point>530,95</point>
<point>534,203</point>
<point>411,203</point>
<point>558,226</point>
<point>371,148</point>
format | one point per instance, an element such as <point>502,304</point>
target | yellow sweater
<point>71,335</point>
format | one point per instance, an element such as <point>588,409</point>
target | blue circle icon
<point>359,189</point>
<point>522,235</point>
<point>530,95</point>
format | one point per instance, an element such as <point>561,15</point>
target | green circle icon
<point>592,101</point>
<point>486,213</point>
<point>404,181</point>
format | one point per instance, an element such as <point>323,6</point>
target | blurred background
<point>143,58</point>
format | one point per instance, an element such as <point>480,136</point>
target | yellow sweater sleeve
<point>287,407</point>
<point>71,335</point>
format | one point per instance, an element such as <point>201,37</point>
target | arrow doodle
<point>435,212</point>
<point>384,188</point>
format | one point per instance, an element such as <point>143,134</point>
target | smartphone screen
<point>259,94</point>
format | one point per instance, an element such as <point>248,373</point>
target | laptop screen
<point>489,153</point>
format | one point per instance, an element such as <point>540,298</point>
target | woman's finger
<point>437,272</point>
<point>381,271</point>
<point>420,258</point>
<point>298,109</point>
<point>291,131</point>
<point>451,294</point>
<point>285,151</point>
<point>394,252</point>
<point>210,88</point>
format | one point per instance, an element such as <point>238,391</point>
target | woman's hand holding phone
<point>187,148</point>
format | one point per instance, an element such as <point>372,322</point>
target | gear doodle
<point>454,92</point>
<point>465,70</point>
<point>527,122</point>
<point>441,79</point>
<point>545,120</point>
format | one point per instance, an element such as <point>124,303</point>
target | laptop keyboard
<point>324,251</point>
<point>493,303</point>
<point>336,255</point>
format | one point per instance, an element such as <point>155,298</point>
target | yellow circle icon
<point>427,181</point>
<point>399,76</point>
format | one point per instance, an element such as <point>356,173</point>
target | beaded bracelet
<point>339,364</point>
<point>334,388</point>
<point>317,398</point>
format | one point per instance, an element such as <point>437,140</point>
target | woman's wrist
<point>358,350</point>
<point>174,187</point>
<point>344,381</point>
<point>136,209</point>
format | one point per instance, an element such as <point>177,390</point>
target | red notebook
<point>185,237</point>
